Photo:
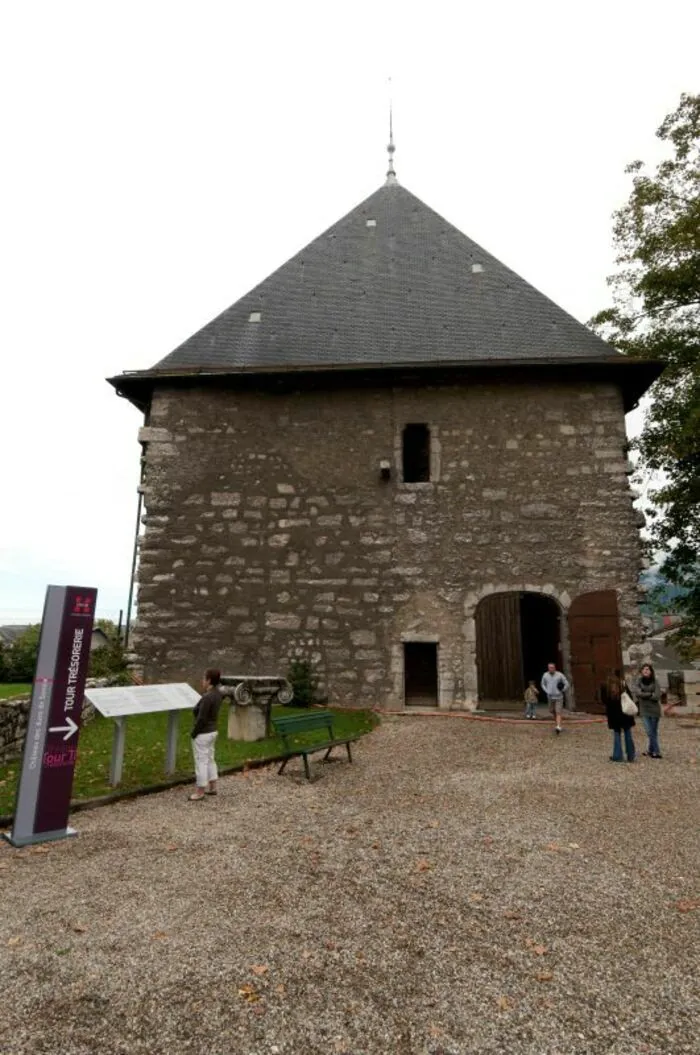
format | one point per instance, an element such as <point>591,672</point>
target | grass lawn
<point>144,754</point>
<point>7,690</point>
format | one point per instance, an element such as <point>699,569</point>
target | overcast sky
<point>160,158</point>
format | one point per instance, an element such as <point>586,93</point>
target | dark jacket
<point>206,713</point>
<point>647,697</point>
<point>617,719</point>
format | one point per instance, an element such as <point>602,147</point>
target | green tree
<point>4,663</point>
<point>656,315</point>
<point>22,654</point>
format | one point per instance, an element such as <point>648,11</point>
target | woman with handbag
<point>620,710</point>
<point>647,695</point>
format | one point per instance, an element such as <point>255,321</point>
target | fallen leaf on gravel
<point>476,897</point>
<point>510,914</point>
<point>14,941</point>
<point>79,928</point>
<point>574,846</point>
<point>553,847</point>
<point>249,993</point>
<point>688,904</point>
<point>544,976</point>
<point>159,935</point>
<point>434,824</point>
<point>172,846</point>
<point>259,968</point>
<point>376,846</point>
<point>423,865</point>
<point>504,1003</point>
<point>540,950</point>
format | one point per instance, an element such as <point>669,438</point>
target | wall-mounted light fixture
<point>385,469</point>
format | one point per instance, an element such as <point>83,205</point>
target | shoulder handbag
<point>629,707</point>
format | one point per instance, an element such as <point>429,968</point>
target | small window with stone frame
<point>416,454</point>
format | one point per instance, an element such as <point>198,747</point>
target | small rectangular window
<point>416,454</point>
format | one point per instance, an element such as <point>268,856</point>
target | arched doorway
<point>594,632</point>
<point>517,635</point>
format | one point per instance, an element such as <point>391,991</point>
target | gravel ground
<point>463,887</point>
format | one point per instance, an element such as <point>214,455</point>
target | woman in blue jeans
<point>647,696</point>
<point>620,723</point>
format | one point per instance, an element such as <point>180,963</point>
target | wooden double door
<point>517,634</point>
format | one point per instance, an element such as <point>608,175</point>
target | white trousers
<point>204,761</point>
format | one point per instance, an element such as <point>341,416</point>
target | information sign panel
<point>55,713</point>
<point>119,701</point>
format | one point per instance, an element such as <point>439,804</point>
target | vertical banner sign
<point>51,746</point>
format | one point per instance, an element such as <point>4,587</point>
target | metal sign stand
<point>171,742</point>
<point>118,703</point>
<point>116,765</point>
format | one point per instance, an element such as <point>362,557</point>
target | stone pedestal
<point>247,721</point>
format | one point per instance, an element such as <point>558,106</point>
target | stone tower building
<point>398,459</point>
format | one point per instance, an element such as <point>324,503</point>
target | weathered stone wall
<point>13,725</point>
<point>269,531</point>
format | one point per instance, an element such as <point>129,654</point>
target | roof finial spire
<point>391,172</point>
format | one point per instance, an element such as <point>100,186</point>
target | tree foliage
<point>21,655</point>
<point>18,662</point>
<point>656,315</point>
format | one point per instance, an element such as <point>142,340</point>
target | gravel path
<point>463,887</point>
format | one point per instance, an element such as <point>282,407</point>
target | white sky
<point>160,158</point>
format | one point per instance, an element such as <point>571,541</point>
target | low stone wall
<point>13,722</point>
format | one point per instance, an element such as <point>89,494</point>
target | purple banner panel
<point>51,746</point>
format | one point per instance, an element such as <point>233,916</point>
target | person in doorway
<point>647,696</point>
<point>204,734</point>
<point>531,700</point>
<point>554,685</point>
<point>620,723</point>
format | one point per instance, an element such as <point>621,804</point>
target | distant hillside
<point>662,595</point>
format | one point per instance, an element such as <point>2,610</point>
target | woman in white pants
<point>204,734</point>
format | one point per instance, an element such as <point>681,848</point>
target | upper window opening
<point>416,454</point>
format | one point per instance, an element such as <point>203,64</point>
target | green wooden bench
<point>290,727</point>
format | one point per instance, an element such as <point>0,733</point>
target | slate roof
<point>408,290</point>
